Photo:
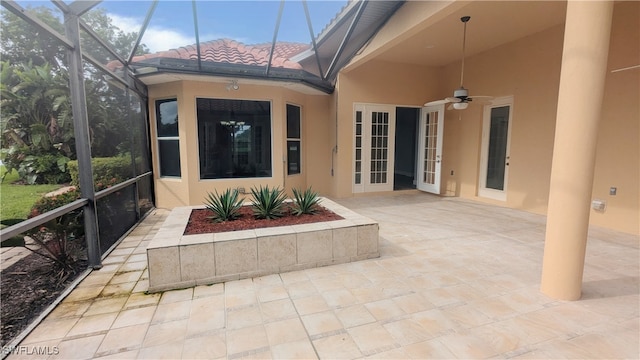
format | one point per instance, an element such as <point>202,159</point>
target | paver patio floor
<point>456,279</point>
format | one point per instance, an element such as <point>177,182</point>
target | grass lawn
<point>16,200</point>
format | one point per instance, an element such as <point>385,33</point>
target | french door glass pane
<point>430,146</point>
<point>497,154</point>
<point>379,147</point>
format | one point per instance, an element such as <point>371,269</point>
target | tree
<point>36,121</point>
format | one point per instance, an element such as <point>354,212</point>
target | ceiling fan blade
<point>481,99</point>
<point>453,99</point>
<point>437,102</point>
<point>450,107</point>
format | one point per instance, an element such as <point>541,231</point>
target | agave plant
<point>268,203</point>
<point>225,206</point>
<point>305,202</point>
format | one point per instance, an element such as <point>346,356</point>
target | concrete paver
<point>455,279</point>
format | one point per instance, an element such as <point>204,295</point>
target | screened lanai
<point>75,107</point>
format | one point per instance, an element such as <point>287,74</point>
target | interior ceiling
<point>492,23</point>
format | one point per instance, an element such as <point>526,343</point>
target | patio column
<point>582,79</point>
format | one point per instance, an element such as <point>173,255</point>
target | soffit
<point>492,23</point>
<point>162,78</point>
<point>329,42</point>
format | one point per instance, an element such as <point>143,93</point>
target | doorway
<point>494,158</point>
<point>430,148</point>
<point>406,148</point>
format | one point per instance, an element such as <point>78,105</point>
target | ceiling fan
<point>460,99</point>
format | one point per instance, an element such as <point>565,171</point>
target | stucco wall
<point>191,190</point>
<point>529,70</point>
<point>618,151</point>
<point>380,83</point>
<point>170,192</point>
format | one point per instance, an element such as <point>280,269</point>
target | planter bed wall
<point>178,261</point>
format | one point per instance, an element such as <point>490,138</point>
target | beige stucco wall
<point>379,83</point>
<point>529,70</point>
<point>618,151</point>
<point>191,190</point>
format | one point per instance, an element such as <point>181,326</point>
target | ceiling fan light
<point>461,92</point>
<point>460,105</point>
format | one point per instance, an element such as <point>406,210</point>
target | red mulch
<point>200,221</point>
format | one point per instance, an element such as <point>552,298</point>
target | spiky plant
<point>225,206</point>
<point>268,203</point>
<point>305,202</point>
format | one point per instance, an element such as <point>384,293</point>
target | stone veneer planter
<point>178,261</point>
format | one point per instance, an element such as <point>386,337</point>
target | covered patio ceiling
<point>437,40</point>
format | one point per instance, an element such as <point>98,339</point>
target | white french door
<point>494,155</point>
<point>374,143</point>
<point>430,149</point>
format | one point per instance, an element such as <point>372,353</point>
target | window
<point>293,139</point>
<point>168,140</point>
<point>234,138</point>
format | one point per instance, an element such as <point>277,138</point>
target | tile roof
<point>234,52</point>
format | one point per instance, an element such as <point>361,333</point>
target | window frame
<point>197,132</point>
<point>157,103</point>
<point>293,139</point>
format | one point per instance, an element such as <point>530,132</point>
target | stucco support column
<point>582,78</point>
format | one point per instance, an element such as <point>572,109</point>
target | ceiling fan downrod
<point>464,20</point>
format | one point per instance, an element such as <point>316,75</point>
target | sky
<point>246,21</point>
<point>249,22</point>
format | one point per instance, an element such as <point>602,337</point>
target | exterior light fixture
<point>460,105</point>
<point>233,85</point>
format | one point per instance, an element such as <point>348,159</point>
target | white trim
<point>356,188</point>
<point>162,138</point>
<point>483,191</point>
<point>287,139</point>
<point>436,187</point>
<point>365,183</point>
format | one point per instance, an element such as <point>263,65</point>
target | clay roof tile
<point>234,52</point>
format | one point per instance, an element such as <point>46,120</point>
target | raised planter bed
<point>178,261</point>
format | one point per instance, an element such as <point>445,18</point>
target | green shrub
<point>48,203</point>
<point>305,202</point>
<point>268,203</point>
<point>36,167</point>
<point>52,169</point>
<point>225,206</point>
<point>106,171</point>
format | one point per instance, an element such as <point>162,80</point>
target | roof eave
<point>179,66</point>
